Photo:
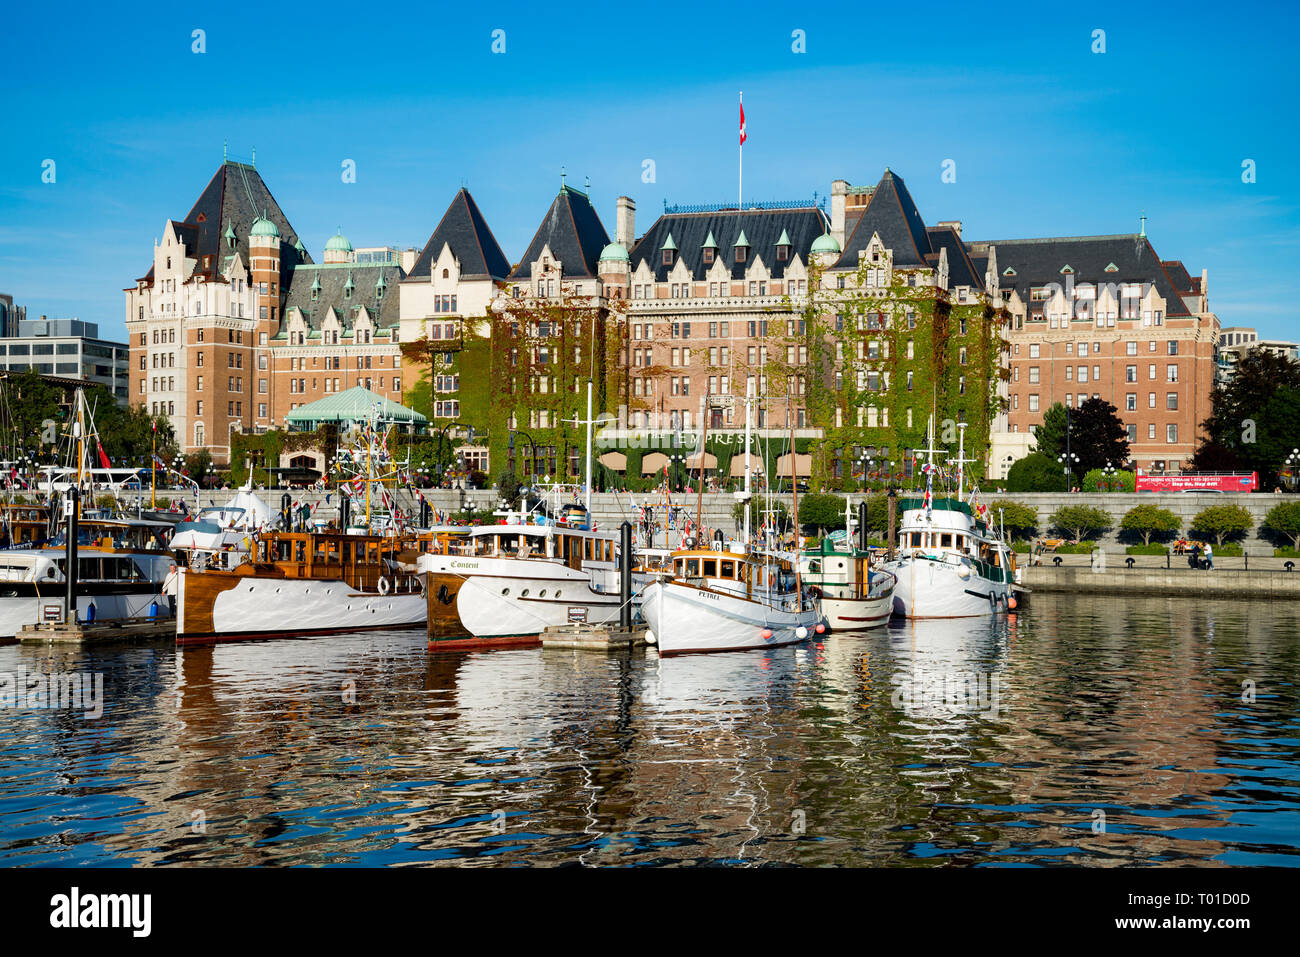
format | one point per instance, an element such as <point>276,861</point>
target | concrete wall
<point>1227,583</point>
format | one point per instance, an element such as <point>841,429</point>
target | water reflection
<point>1101,732</point>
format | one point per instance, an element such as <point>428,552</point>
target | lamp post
<point>1109,473</point>
<point>1293,463</point>
<point>675,460</point>
<point>864,462</point>
<point>1067,460</point>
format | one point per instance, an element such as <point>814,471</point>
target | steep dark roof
<point>1178,275</point>
<point>233,198</point>
<point>333,279</point>
<point>573,231</point>
<point>893,215</point>
<point>762,228</point>
<point>1037,262</point>
<point>962,271</point>
<point>464,229</point>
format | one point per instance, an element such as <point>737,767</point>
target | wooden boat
<point>301,584</point>
<point>852,593</point>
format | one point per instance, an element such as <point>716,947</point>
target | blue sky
<point>1049,138</point>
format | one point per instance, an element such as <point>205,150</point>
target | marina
<point>925,743</point>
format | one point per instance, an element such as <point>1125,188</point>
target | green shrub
<point>1079,520</point>
<point>1095,480</point>
<point>1154,549</point>
<point>1022,546</point>
<point>1036,473</point>
<point>1286,553</point>
<point>1222,522</point>
<point>1083,548</point>
<point>1148,520</point>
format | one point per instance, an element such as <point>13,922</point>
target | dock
<point>123,631</point>
<point>1236,583</point>
<point>581,635</point>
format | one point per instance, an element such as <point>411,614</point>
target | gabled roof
<point>464,229</point>
<point>574,233</point>
<point>759,229</point>
<point>331,282</point>
<point>357,404</point>
<point>232,200</point>
<point>962,271</point>
<point>1038,262</point>
<point>891,213</point>
<point>1178,275</point>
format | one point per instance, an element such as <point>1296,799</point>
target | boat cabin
<point>359,560</point>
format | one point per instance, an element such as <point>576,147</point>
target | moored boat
<point>853,594</point>
<point>300,584</point>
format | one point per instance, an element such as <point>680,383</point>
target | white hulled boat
<point>853,594</point>
<point>950,563</point>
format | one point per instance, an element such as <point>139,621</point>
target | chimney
<point>953,224</point>
<point>625,224</point>
<point>409,256</point>
<point>839,196</point>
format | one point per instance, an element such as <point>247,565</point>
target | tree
<point>1080,520</point>
<point>508,487</point>
<point>1098,436</point>
<point>1097,480</point>
<point>32,401</point>
<point>198,465</point>
<point>1017,518</point>
<point>1148,520</point>
<point>821,511</point>
<point>1253,416</point>
<point>1050,437</point>
<point>1284,519</point>
<point>1223,522</point>
<point>127,432</point>
<point>1036,472</point>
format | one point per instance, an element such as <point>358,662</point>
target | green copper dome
<point>264,227</point>
<point>338,244</point>
<point>614,252</point>
<point>825,243</point>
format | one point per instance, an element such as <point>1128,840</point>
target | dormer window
<point>782,253</point>
<point>740,254</point>
<point>315,294</point>
<point>742,247</point>
<point>669,249</point>
<point>708,256</point>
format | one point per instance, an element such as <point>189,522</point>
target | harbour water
<point>1084,731</point>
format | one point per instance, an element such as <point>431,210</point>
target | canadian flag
<point>743,135</point>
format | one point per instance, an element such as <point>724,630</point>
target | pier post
<point>862,525</point>
<point>345,511</point>
<point>625,576</point>
<point>892,499</point>
<point>70,503</point>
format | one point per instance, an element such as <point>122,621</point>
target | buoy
<point>650,638</point>
<point>821,629</point>
<point>766,634</point>
<point>383,585</point>
<point>1011,603</point>
<point>801,632</point>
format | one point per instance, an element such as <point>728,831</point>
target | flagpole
<point>740,184</point>
<point>153,469</point>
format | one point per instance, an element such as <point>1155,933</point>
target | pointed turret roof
<point>574,234</point>
<point>891,213</point>
<point>464,229</point>
<point>234,199</point>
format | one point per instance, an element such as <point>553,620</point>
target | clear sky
<point>1048,137</point>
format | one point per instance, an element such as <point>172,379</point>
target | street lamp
<point>1067,460</point>
<point>1109,473</point>
<point>1292,463</point>
<point>674,461</point>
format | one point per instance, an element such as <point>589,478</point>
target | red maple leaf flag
<point>743,135</point>
<point>103,457</point>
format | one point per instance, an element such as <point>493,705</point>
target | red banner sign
<point>1239,482</point>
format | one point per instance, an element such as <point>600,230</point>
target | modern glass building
<point>66,347</point>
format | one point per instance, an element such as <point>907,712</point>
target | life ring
<point>383,585</point>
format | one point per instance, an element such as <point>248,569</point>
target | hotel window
<point>961,356</point>
<point>1171,433</point>
<point>1173,347</point>
<point>1171,373</point>
<point>1015,374</point>
<point>1033,402</point>
<point>1130,373</point>
<point>1131,348</point>
<point>1151,371</point>
<point>1069,373</point>
<point>1033,350</point>
<point>1015,402</point>
<point>1083,374</point>
<point>1033,375</point>
<point>961,385</point>
<point>1096,373</point>
<point>1132,402</point>
<point>1151,400</point>
<point>1151,431</point>
<point>909,382</point>
<point>1171,401</point>
<point>1132,431</point>
<point>1069,400</point>
<point>1069,348</point>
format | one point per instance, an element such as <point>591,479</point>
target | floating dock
<point>128,630</point>
<point>593,637</point>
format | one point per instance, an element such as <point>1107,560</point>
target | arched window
<point>446,274</point>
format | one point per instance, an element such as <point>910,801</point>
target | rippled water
<point>1104,732</point>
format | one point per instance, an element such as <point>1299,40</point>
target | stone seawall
<point>612,508</point>
<point>1227,583</point>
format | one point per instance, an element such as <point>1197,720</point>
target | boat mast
<point>748,495</point>
<point>588,473</point>
<point>794,488</point>
<point>704,438</point>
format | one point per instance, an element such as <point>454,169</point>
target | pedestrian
<point>1195,560</point>
<point>169,587</point>
<point>1209,557</point>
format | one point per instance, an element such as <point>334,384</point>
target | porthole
<point>557,593</point>
<point>542,593</point>
<point>505,591</point>
<point>524,593</point>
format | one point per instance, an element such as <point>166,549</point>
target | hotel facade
<point>856,325</point>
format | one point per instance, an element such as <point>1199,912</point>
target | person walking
<point>1209,557</point>
<point>169,587</point>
